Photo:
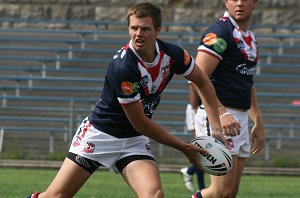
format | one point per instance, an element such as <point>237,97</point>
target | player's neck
<point>148,56</point>
<point>243,26</point>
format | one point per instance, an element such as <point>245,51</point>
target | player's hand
<point>220,136</point>
<point>257,139</point>
<point>230,125</point>
<point>192,152</point>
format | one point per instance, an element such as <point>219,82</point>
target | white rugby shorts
<point>106,149</point>
<point>241,143</point>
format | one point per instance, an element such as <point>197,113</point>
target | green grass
<point>17,183</point>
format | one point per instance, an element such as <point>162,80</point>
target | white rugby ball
<point>218,161</point>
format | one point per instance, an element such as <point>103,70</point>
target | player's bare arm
<point>208,63</point>
<point>257,131</point>
<point>208,96</point>
<point>135,114</point>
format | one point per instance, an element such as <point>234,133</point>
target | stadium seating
<point>51,78</point>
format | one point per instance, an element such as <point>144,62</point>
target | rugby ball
<point>218,161</point>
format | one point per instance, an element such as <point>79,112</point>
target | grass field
<point>17,183</point>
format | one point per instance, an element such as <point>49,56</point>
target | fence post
<point>160,150</point>
<point>279,141</point>
<point>267,150</point>
<point>70,52</point>
<point>51,143</point>
<point>4,100</point>
<point>71,121</point>
<point>57,62</point>
<point>1,139</point>
<point>291,130</point>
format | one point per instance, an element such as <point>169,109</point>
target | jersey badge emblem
<point>129,88</point>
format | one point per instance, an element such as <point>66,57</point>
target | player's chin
<point>139,47</point>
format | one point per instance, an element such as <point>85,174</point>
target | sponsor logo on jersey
<point>89,147</point>
<point>150,106</point>
<point>129,88</point>
<point>244,70</point>
<point>210,39</point>
<point>219,44</point>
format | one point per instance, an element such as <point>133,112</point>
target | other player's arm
<point>193,97</point>
<point>209,100</point>
<point>208,63</point>
<point>135,114</point>
<point>257,131</point>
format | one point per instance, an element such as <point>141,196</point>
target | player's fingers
<point>231,131</point>
<point>199,150</point>
<point>226,131</point>
<point>203,151</point>
<point>237,128</point>
<point>255,151</point>
<point>221,138</point>
<point>257,148</point>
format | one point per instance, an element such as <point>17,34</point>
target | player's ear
<point>255,4</point>
<point>157,31</point>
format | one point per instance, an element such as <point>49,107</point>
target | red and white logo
<point>77,141</point>
<point>89,147</point>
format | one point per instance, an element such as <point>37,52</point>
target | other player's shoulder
<point>221,27</point>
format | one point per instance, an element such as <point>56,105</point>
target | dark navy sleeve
<point>126,84</point>
<point>183,62</point>
<point>216,40</point>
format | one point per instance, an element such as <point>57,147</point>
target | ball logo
<point>208,146</point>
<point>218,160</point>
<point>210,158</point>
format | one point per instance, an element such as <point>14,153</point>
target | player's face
<point>143,36</point>
<point>241,10</point>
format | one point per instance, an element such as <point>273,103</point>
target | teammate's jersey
<point>238,54</point>
<point>128,79</point>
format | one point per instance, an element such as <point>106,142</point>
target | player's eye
<point>134,28</point>
<point>146,29</point>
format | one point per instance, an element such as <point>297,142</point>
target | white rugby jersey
<point>129,79</point>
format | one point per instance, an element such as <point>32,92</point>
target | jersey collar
<point>156,48</point>
<point>234,23</point>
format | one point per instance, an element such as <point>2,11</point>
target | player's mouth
<point>239,12</point>
<point>139,42</point>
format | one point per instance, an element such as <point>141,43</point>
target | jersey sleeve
<point>126,85</point>
<point>215,40</point>
<point>186,64</point>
